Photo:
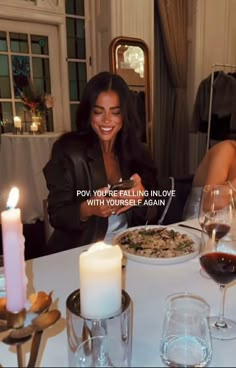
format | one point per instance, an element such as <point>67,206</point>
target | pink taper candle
<point>13,252</point>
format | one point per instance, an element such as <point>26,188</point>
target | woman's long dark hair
<point>128,145</point>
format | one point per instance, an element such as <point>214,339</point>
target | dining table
<point>22,158</point>
<point>148,286</point>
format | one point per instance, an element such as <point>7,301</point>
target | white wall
<point>101,23</point>
<point>113,18</point>
<point>135,18</point>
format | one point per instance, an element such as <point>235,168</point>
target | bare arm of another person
<point>217,165</point>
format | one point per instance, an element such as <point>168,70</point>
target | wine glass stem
<point>220,322</point>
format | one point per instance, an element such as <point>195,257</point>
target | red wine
<point>220,266</point>
<point>220,230</point>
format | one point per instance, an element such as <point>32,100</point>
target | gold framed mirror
<point>129,57</point>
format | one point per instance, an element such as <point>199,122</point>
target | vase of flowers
<point>37,103</point>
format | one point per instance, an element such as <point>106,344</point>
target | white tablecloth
<point>22,158</point>
<point>148,286</point>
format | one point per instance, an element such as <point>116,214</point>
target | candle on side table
<point>13,252</point>
<point>17,122</point>
<point>34,127</point>
<point>100,281</point>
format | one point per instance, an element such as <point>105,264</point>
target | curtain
<point>171,78</point>
<point>163,106</point>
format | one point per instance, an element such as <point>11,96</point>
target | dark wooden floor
<point>34,240</point>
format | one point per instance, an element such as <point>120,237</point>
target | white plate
<point>161,261</point>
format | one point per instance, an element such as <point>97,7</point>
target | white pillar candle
<point>13,252</point>
<point>34,127</point>
<point>100,281</point>
<point>17,122</point>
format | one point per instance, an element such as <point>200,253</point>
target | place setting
<point>103,316</point>
<point>100,313</point>
<point>183,343</point>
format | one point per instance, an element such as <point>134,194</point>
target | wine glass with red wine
<point>217,252</point>
<point>209,219</point>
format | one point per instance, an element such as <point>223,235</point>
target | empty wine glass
<point>186,340</point>
<point>216,210</point>
<point>217,253</point>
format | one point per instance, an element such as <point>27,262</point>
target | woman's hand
<point>133,196</point>
<point>97,205</point>
<point>117,202</point>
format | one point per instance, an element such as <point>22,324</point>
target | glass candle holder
<point>80,329</point>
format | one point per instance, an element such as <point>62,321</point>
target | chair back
<point>173,211</point>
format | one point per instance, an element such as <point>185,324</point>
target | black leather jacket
<point>76,165</point>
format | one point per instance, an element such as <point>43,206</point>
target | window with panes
<point>76,54</point>
<point>23,56</point>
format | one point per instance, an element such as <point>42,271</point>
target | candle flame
<point>13,198</point>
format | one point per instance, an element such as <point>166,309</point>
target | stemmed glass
<point>216,210</point>
<point>217,253</point>
<point>210,198</point>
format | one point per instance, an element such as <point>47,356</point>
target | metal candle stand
<point>79,328</point>
<point>28,324</point>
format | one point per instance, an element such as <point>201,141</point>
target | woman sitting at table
<point>104,150</point>
<point>217,167</point>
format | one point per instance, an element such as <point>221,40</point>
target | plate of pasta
<point>157,244</point>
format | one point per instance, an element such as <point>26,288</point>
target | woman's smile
<point>106,130</point>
